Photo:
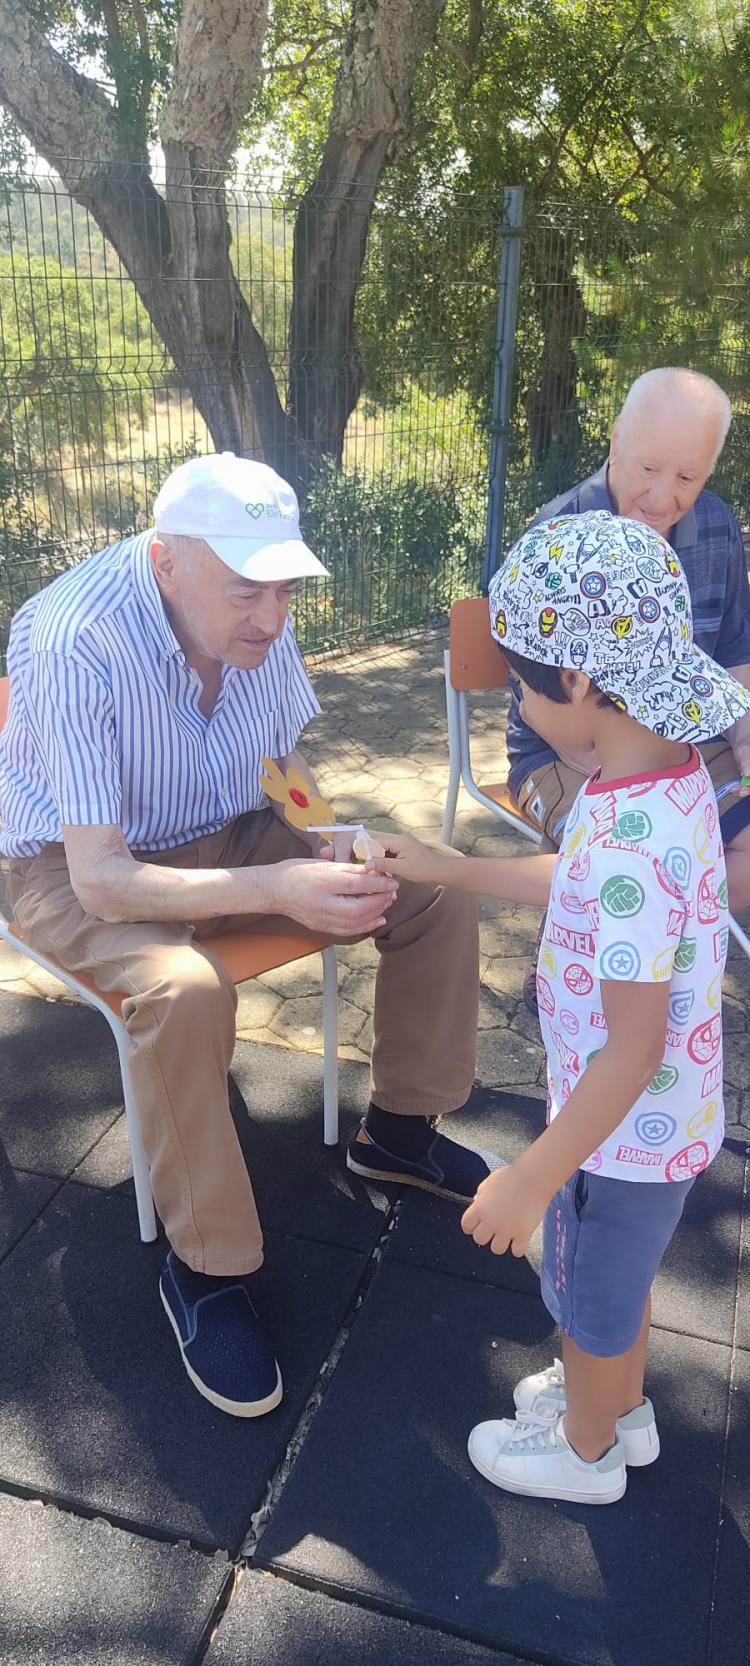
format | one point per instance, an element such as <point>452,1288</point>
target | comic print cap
<point>608,596</point>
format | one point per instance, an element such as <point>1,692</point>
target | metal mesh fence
<point>604,296</point>
<point>93,413</point>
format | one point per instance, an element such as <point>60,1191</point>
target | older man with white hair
<point>147,687</point>
<point>664,445</point>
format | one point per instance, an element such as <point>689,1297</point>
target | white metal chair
<point>474,663</point>
<point>244,955</point>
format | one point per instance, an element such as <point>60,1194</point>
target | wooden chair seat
<point>498,791</point>
<point>244,954</point>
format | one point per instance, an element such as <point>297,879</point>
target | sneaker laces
<point>533,1426</point>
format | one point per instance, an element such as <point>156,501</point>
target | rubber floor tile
<point>95,1405</point>
<point>384,1503</point>
<point>85,1593</point>
<point>270,1622</point>
<point>22,1198</point>
<point>60,1082</point>
<point>731,1617</point>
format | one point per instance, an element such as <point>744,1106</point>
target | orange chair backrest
<point>4,698</point>
<point>476,658</point>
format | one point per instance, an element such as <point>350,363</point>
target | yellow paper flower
<point>301,807</point>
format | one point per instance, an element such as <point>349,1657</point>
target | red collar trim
<point>594,785</point>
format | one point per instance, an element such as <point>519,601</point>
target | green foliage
<point>628,122</point>
<point>398,553</point>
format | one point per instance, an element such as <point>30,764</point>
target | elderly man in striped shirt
<point>665,443</point>
<point>147,684</point>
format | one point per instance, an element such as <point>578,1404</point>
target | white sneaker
<point>531,1455</point>
<point>544,1395</point>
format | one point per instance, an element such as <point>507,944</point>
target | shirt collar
<point>149,598</point>
<point>685,532</point>
<point>595,494</point>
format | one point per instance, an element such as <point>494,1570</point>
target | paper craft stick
<point>301,807</point>
<point>365,848</point>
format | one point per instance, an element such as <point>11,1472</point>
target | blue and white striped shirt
<point>104,726</point>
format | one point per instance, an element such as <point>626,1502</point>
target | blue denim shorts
<point>604,1241</point>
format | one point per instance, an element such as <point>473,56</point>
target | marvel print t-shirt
<point>639,895</point>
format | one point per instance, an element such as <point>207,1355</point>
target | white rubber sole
<point>523,1490</point>
<point>235,1408</point>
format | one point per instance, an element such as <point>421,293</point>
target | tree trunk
<point>177,253</point>
<point>550,404</point>
<point>175,247</point>
<point>370,121</point>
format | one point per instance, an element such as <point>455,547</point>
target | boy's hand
<point>506,1211</point>
<point>409,858</point>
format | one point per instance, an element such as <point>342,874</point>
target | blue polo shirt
<point>709,544</point>
<point>104,726</point>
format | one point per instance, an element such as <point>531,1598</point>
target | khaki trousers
<point>179,1008</point>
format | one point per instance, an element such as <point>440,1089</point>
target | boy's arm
<point>511,1202</point>
<point>512,879</point>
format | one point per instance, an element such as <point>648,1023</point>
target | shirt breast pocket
<point>264,744</point>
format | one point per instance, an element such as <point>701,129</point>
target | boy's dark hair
<point>544,679</point>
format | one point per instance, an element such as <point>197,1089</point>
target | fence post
<point>509,271</point>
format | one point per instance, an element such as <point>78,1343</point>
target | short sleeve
<point>73,716</point>
<point>637,914</point>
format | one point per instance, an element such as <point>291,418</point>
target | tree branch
<point>147,76</point>
<point>65,116</point>
<point>610,71</point>
<point>370,122</point>
<point>300,65</point>
<point>465,52</point>
<point>217,67</point>
<point>644,158</point>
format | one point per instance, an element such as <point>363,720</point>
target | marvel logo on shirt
<point>639,894</point>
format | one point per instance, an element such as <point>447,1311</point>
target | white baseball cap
<point>244,511</point>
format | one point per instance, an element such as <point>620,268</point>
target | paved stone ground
<point>139,1527</point>
<point>379,752</point>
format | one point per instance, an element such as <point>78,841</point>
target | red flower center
<point>298,797</point>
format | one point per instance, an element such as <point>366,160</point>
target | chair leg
<point>330,1048</point>
<point>143,1196</point>
<point>454,758</point>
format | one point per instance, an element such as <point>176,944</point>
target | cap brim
<point>695,700</point>
<point>268,563</point>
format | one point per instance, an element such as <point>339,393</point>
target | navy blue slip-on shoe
<point>450,1170</point>
<point>225,1352</point>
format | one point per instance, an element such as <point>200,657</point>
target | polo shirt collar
<point>595,494</point>
<point>685,532</point>
<point>149,598</point>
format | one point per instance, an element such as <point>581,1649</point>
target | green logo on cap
<point>254,509</point>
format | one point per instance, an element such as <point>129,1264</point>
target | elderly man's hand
<point>340,899</point>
